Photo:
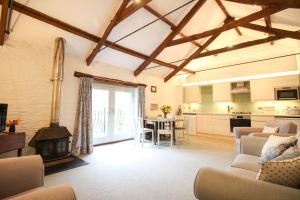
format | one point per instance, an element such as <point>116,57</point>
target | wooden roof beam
<point>170,37</point>
<point>226,13</point>
<point>107,31</point>
<point>273,31</point>
<point>285,3</point>
<point>244,20</point>
<point>81,33</point>
<point>240,46</point>
<point>132,8</point>
<point>3,20</point>
<point>191,57</point>
<point>268,23</point>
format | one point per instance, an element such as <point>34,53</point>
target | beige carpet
<point>125,171</point>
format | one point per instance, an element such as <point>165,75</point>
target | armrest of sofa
<point>213,184</point>
<point>268,134</point>
<point>240,131</point>
<point>252,145</point>
<point>60,192</point>
<point>20,174</point>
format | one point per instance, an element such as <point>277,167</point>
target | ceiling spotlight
<point>137,1</point>
<point>254,6</point>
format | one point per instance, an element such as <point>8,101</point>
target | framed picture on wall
<point>154,107</point>
<point>153,89</point>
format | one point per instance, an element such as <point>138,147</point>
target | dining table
<point>152,123</point>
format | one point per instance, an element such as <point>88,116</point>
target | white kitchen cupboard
<point>213,124</point>
<point>263,89</point>
<point>222,92</point>
<point>204,123</point>
<point>191,123</point>
<point>260,121</point>
<point>221,124</point>
<point>192,94</point>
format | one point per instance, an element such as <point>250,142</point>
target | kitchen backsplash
<point>260,107</point>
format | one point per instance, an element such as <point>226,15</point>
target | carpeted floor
<point>129,172</point>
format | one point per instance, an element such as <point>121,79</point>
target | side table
<point>12,141</point>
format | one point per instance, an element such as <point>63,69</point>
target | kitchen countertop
<point>267,115</point>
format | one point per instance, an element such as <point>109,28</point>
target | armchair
<point>22,178</point>
<point>285,129</point>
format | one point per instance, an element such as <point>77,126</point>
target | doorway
<point>114,109</point>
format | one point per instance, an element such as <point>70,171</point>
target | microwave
<point>287,93</point>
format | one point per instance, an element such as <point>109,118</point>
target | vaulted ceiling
<point>183,34</point>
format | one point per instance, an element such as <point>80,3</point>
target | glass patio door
<point>113,113</point>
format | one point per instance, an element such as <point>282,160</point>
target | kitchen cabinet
<point>221,124</point>
<point>204,123</point>
<point>222,92</point>
<point>260,121</point>
<point>263,89</point>
<point>192,94</point>
<point>191,123</point>
<point>213,124</point>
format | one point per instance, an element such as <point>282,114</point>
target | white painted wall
<point>25,72</point>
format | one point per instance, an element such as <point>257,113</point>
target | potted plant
<point>166,110</point>
<point>12,125</point>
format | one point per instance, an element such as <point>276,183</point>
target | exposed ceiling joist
<point>191,57</point>
<point>107,31</point>
<point>168,22</point>
<point>133,8</point>
<point>3,20</point>
<point>233,24</point>
<point>226,13</point>
<point>170,37</point>
<point>268,23</point>
<point>274,31</point>
<point>241,46</point>
<point>81,33</point>
<point>285,3</point>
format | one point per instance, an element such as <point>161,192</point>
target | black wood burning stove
<point>53,142</point>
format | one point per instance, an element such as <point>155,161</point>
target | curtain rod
<point>108,80</point>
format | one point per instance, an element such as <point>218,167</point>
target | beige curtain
<point>141,102</point>
<point>82,139</point>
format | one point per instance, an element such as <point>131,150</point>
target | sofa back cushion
<point>274,141</point>
<point>284,127</point>
<point>286,172</point>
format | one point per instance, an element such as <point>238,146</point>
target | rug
<point>63,165</point>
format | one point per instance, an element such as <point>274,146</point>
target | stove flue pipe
<point>57,78</point>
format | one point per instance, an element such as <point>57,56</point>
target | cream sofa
<point>239,181</point>
<point>285,129</point>
<point>22,178</point>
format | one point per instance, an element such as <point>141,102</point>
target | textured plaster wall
<point>25,72</point>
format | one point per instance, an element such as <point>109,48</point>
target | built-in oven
<point>240,120</point>
<point>287,93</point>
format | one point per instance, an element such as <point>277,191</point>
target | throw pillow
<point>270,129</point>
<point>274,141</point>
<point>291,152</point>
<point>286,172</point>
<point>272,152</point>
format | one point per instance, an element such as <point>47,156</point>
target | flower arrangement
<point>166,110</point>
<point>12,124</point>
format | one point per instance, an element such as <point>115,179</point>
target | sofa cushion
<point>242,172</point>
<point>272,153</point>
<point>291,152</point>
<point>285,172</point>
<point>274,141</point>
<point>247,162</point>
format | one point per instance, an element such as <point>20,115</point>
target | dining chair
<point>141,131</point>
<point>164,127</point>
<point>181,129</point>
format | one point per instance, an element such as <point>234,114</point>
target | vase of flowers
<point>166,110</point>
<point>12,125</point>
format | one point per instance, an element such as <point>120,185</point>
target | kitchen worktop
<point>267,115</point>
